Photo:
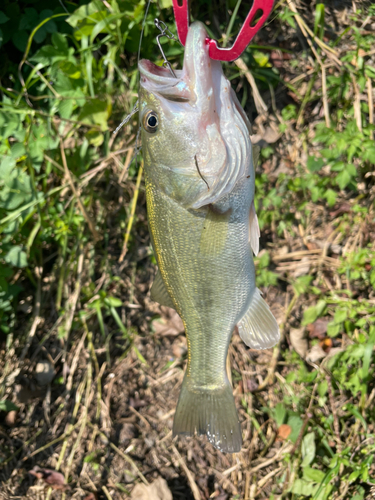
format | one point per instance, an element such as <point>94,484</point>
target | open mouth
<point>160,80</point>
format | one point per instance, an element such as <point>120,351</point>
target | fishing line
<point>135,108</point>
<point>143,28</point>
<point>63,6</point>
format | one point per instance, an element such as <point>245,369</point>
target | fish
<point>199,179</point>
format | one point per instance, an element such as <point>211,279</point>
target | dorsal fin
<point>254,232</point>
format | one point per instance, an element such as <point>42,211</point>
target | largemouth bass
<point>199,176</point>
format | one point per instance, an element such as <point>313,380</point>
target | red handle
<point>244,37</point>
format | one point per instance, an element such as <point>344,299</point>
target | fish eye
<point>150,122</point>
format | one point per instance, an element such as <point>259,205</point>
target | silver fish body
<point>200,190</point>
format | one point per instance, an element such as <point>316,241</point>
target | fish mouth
<point>159,80</point>
<point>194,82</point>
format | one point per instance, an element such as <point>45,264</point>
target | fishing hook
<point>165,31</point>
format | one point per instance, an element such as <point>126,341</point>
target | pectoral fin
<point>254,230</point>
<point>214,232</point>
<point>258,327</point>
<point>159,292</point>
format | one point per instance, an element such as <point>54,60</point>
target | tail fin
<point>209,412</point>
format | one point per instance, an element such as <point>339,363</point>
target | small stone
<point>11,417</point>
<point>44,373</point>
<point>127,432</point>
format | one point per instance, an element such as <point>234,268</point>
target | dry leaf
<point>170,322</point>
<point>318,329</point>
<point>91,496</point>
<point>315,354</point>
<point>283,432</point>
<point>179,347</point>
<point>51,477</point>
<point>303,268</point>
<point>158,490</point>
<point>299,341</point>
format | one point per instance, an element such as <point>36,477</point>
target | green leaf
<point>340,315</point>
<point>60,42</point>
<point>19,39</point>
<point>3,17</point>
<point>312,313</point>
<point>296,424</point>
<point>331,197</point>
<point>279,414</point>
<point>113,301</point>
<point>314,164</point>
<point>369,154</point>
<point>308,449</point>
<point>301,487</point>
<point>16,257</point>
<point>314,475</point>
<point>6,405</point>
<point>95,112</point>
<point>343,179</point>
<point>17,150</point>
<point>370,71</point>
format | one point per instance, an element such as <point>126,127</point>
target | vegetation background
<point>90,368</point>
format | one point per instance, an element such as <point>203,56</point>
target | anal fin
<point>159,292</point>
<point>258,327</point>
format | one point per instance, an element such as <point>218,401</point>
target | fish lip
<point>157,74</point>
<point>159,80</point>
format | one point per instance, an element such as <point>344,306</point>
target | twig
<point>37,319</point>
<point>370,106</point>
<point>336,424</point>
<point>296,255</point>
<point>122,454</point>
<point>141,417</point>
<point>276,458</point>
<point>128,160</point>
<point>260,105</point>
<point>325,97</point>
<point>73,366</point>
<point>276,350</point>
<point>331,53</point>
<point>189,475</point>
<point>72,425</point>
<point>132,212</point>
<point>73,302</point>
<point>79,201</point>
<point>265,479</point>
<point>106,493</point>
<point>51,443</point>
<point>357,104</point>
<point>24,445</point>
